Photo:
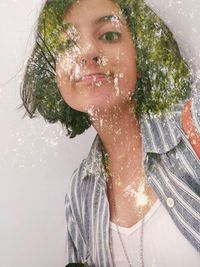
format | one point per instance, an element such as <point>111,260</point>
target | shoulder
<point>190,122</point>
<point>80,183</point>
<point>74,184</point>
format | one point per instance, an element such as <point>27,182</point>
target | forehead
<point>90,11</point>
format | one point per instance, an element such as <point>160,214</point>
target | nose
<point>90,53</point>
<point>94,60</point>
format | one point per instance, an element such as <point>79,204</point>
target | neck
<point>120,134</point>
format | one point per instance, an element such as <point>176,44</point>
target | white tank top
<point>163,244</point>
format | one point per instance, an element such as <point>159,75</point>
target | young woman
<point>134,201</point>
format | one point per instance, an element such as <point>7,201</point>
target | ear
<point>189,128</point>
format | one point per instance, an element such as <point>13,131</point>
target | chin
<point>101,106</point>
<point>99,97</point>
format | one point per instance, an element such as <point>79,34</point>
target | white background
<point>36,158</point>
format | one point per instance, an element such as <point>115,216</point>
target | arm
<point>70,249</point>
<point>71,255</point>
<point>75,249</point>
<point>190,118</point>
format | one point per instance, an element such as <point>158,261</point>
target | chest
<point>168,179</point>
<point>125,210</point>
<point>157,244</point>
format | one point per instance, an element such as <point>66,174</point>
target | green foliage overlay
<point>165,77</point>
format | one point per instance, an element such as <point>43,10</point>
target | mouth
<point>95,77</point>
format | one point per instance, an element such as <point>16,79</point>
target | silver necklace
<point>105,162</point>
<point>120,237</point>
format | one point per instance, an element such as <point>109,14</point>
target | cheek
<point>127,70</point>
<point>128,59</point>
<point>66,71</point>
<point>64,66</point>
<point>64,77</point>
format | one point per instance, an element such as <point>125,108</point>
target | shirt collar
<point>160,134</point>
<point>93,164</point>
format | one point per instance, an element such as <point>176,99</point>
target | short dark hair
<point>165,76</point>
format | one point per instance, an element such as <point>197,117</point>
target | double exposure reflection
<point>116,66</point>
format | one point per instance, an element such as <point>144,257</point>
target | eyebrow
<point>107,18</point>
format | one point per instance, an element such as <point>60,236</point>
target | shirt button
<point>170,202</point>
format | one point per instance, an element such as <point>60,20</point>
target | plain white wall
<point>36,158</point>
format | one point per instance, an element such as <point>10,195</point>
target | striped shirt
<point>172,168</point>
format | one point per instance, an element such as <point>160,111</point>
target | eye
<point>110,36</point>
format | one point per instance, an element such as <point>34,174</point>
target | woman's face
<point>98,71</point>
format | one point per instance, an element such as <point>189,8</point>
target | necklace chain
<point>105,161</point>
<point>120,237</point>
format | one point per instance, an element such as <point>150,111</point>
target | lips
<point>93,77</point>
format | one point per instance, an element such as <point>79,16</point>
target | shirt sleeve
<point>71,255</point>
<point>196,112</point>
<point>76,250</point>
